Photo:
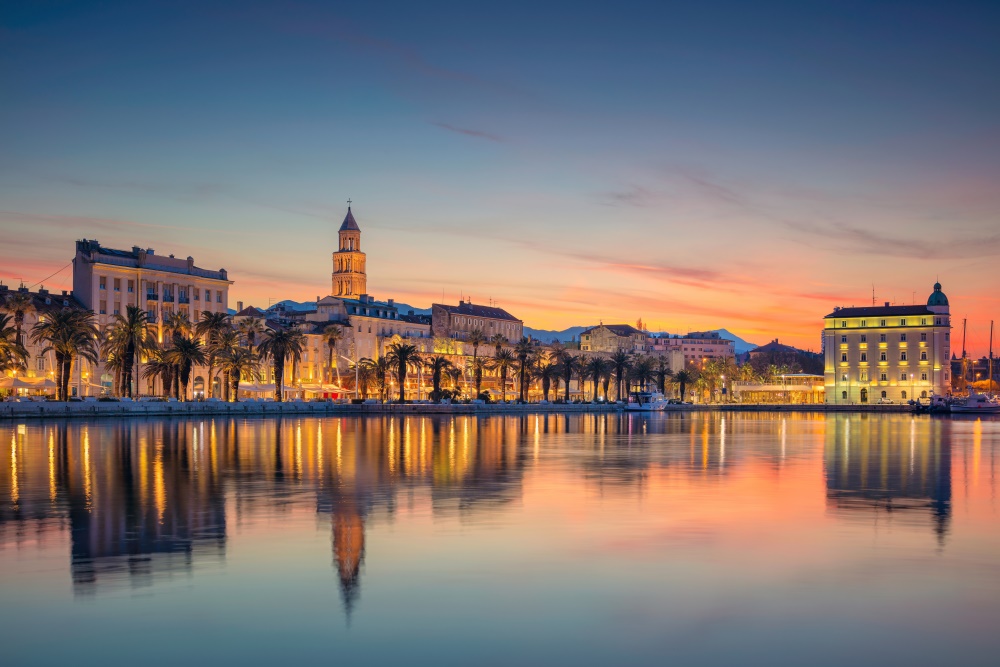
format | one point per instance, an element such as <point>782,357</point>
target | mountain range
<point>546,335</point>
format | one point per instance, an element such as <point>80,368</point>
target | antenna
<point>873,295</point>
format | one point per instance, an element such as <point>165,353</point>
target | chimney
<point>886,304</point>
<point>391,302</point>
<point>149,251</point>
<point>190,263</point>
<point>239,306</point>
<point>136,249</point>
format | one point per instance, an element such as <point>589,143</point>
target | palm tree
<point>176,325</point>
<point>621,361</point>
<point>251,329</point>
<point>224,343</point>
<point>237,363</point>
<point>595,369</point>
<point>365,370</point>
<point>498,340</point>
<point>126,340</point>
<point>523,350</point>
<point>503,362</point>
<point>69,333</point>
<point>185,353</point>
<point>476,338</point>
<point>569,364</point>
<point>19,304</point>
<point>402,356</point>
<point>332,335</point>
<point>548,371</point>
<point>437,366</point>
<point>642,373</point>
<point>13,355</point>
<point>158,368</point>
<point>684,378</point>
<point>210,327</point>
<point>663,375</point>
<point>279,345</point>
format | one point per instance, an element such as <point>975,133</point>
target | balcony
<point>152,296</point>
<point>168,298</point>
<point>183,299</point>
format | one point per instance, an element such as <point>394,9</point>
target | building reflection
<point>896,468</point>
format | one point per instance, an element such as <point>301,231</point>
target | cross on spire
<point>348,203</point>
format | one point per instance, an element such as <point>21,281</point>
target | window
<point>118,284</point>
<point>882,357</point>
<point>844,395</point>
<point>923,337</point>
<point>843,357</point>
<point>902,356</point>
<point>923,355</point>
<point>902,337</point>
<point>883,323</point>
<point>864,323</point>
<point>885,395</point>
<point>864,339</point>
<point>884,378</point>
<point>881,338</point>
<point>937,321</point>
<point>104,283</point>
<point>843,378</point>
<point>864,356</point>
<point>923,394</point>
<point>923,376</point>
<point>902,377</point>
<point>104,307</point>
<point>947,335</point>
<point>116,311</point>
<point>843,323</point>
<point>41,363</point>
<point>843,339</point>
<point>902,323</point>
<point>131,286</point>
<point>904,395</point>
<point>864,375</point>
<point>923,321</point>
<point>208,295</point>
<point>197,294</point>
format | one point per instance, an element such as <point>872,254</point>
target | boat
<point>644,401</point>
<point>977,404</point>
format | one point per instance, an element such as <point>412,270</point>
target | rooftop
<point>349,223</point>
<point>880,311</point>
<point>475,310</point>
<point>617,329</point>
<point>137,257</point>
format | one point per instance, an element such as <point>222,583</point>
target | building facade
<point>696,347</point>
<point>888,353</point>
<point>609,338</point>
<point>349,271</point>
<point>106,280</point>
<point>458,321</point>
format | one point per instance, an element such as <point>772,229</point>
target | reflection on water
<point>893,468</point>
<point>134,503</point>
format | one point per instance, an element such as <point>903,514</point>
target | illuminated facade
<point>888,353</point>
<point>612,337</point>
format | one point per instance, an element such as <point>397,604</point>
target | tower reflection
<point>897,468</point>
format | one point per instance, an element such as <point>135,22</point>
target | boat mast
<point>965,363</point>
<point>989,377</point>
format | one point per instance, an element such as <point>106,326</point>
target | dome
<point>937,298</point>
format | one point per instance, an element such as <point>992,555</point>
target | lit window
<point>883,323</point>
<point>882,357</point>
<point>902,356</point>
<point>843,357</point>
<point>902,323</point>
<point>864,356</point>
<point>923,376</point>
<point>884,378</point>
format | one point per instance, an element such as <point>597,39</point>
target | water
<point>583,539</point>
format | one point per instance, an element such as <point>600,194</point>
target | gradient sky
<point>698,165</point>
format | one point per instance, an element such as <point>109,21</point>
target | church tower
<point>349,279</point>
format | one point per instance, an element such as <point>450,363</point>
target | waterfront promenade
<point>91,409</point>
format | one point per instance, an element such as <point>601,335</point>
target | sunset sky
<point>747,165</point>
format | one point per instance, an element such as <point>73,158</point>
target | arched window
<point>885,395</point>
<point>844,395</point>
<point>864,395</point>
<point>904,395</point>
<point>923,394</point>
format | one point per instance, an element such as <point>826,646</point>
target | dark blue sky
<point>603,149</point>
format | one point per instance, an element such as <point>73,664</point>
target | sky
<point>696,165</point>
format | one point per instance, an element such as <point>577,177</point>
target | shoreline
<point>88,410</point>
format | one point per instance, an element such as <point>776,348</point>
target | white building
<point>888,353</point>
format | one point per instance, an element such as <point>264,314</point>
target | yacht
<point>978,404</point>
<point>644,401</point>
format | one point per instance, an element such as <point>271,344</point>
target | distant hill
<point>547,335</point>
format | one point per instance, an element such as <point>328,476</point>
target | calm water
<point>695,539</point>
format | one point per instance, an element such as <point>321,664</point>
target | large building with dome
<point>888,353</point>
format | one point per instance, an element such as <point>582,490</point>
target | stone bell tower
<point>349,279</point>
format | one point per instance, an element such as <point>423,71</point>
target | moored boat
<point>644,401</point>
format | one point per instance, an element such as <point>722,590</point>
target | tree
<point>401,356</point>
<point>621,361</point>
<point>437,366</point>
<point>595,368</point>
<point>498,340</point>
<point>210,327</point>
<point>176,325</point>
<point>13,355</point>
<point>503,362</point>
<point>277,346</point>
<point>69,333</point>
<point>237,363</point>
<point>642,373</point>
<point>684,378</point>
<point>125,341</point>
<point>548,370</point>
<point>476,338</point>
<point>523,350</point>
<point>251,330</point>
<point>158,368</point>
<point>569,364</point>
<point>185,353</point>
<point>224,343</point>
<point>663,375</point>
<point>332,335</point>
<point>365,369</point>
<point>18,304</point>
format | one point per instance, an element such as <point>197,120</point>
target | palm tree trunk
<point>401,376</point>
<point>279,378</point>
<point>67,374</point>
<point>236,388</point>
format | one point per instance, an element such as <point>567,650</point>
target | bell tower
<point>349,279</point>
